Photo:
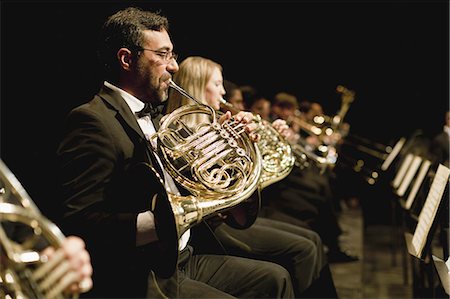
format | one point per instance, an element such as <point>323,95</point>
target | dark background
<point>393,54</point>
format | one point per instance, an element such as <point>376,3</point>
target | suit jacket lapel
<point>114,99</point>
<point>128,119</point>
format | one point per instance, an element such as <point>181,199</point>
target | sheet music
<point>430,208</point>
<point>398,146</point>
<point>409,176</point>
<point>402,171</point>
<point>418,182</point>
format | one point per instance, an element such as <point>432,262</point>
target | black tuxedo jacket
<point>101,197</point>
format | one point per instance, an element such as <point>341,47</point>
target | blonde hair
<point>193,75</point>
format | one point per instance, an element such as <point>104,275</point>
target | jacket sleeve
<point>88,159</point>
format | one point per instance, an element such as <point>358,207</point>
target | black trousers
<point>297,249</point>
<point>304,198</point>
<point>271,240</point>
<point>222,276</point>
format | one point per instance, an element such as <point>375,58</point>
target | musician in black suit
<point>109,198</point>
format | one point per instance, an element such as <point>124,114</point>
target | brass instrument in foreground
<point>216,162</point>
<point>277,156</point>
<point>24,232</point>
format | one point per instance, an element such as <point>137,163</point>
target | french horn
<point>216,162</point>
<point>277,155</point>
<point>24,232</point>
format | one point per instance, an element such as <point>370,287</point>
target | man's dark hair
<point>284,99</point>
<point>230,87</point>
<point>124,29</point>
<point>304,106</point>
<point>250,94</point>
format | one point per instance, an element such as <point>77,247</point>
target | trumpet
<point>309,128</point>
<point>347,97</point>
<point>320,127</point>
<point>303,156</point>
<point>326,155</point>
<point>375,149</point>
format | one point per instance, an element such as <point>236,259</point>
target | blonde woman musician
<point>298,250</point>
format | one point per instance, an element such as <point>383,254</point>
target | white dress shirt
<point>145,232</point>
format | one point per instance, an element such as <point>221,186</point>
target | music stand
<point>404,185</point>
<point>443,273</point>
<point>396,182</point>
<point>419,243</point>
<point>401,173</point>
<point>409,176</point>
<point>406,204</point>
<point>393,154</point>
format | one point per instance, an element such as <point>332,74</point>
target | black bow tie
<point>150,110</point>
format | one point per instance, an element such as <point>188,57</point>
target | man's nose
<point>172,66</point>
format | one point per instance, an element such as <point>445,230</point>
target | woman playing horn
<point>297,249</point>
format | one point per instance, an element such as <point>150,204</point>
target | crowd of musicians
<point>116,193</point>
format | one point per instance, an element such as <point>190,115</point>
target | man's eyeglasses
<point>165,55</point>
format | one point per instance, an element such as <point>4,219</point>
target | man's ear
<point>125,58</point>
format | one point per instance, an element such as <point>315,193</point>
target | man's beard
<point>159,95</point>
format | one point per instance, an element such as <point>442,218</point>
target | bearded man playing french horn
<point>117,193</point>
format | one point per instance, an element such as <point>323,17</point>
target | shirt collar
<point>134,103</point>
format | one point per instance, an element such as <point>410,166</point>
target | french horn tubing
<point>277,156</point>
<point>24,233</point>
<point>216,162</point>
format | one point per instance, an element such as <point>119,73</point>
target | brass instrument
<point>380,155</point>
<point>304,155</point>
<point>325,155</point>
<point>324,128</point>
<point>276,151</point>
<point>369,147</point>
<point>24,271</point>
<point>324,125</point>
<point>347,97</point>
<point>217,163</point>
<point>320,128</point>
<point>277,156</point>
<point>311,129</point>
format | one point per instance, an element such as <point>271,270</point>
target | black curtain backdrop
<point>393,54</point>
